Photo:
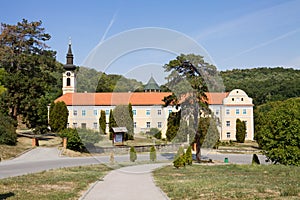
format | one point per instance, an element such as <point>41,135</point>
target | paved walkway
<point>128,183</point>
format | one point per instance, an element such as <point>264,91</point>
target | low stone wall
<point>138,149</point>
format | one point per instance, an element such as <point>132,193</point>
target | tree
<point>240,131</point>
<point>173,125</point>
<point>209,134</point>
<point>29,68</point>
<point>58,116</point>
<point>8,134</point>
<point>190,77</point>
<point>102,122</point>
<point>112,123</point>
<point>277,128</point>
<point>123,117</point>
<point>152,154</point>
<point>189,156</point>
<point>132,154</point>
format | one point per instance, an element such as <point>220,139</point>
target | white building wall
<point>88,117</point>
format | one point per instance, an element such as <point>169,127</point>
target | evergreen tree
<point>102,122</point>
<point>189,156</point>
<point>123,117</point>
<point>112,123</point>
<point>152,154</point>
<point>8,134</point>
<point>240,131</point>
<point>132,154</point>
<point>173,125</point>
<point>29,68</point>
<point>58,117</point>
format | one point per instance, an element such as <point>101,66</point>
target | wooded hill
<point>264,84</point>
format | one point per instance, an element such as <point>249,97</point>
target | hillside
<point>264,84</point>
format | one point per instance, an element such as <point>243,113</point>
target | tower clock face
<point>68,74</point>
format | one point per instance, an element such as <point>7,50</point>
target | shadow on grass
<point>6,195</point>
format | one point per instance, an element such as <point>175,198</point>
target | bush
<point>179,161</point>
<point>155,132</point>
<point>180,158</point>
<point>132,154</point>
<point>189,156</point>
<point>73,140</point>
<point>255,159</point>
<point>240,131</point>
<point>152,154</point>
<point>89,137</point>
<point>7,130</point>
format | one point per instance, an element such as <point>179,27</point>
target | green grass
<point>65,183</point>
<point>230,182</point>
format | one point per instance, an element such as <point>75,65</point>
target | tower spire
<point>69,65</point>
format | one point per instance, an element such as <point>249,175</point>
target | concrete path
<point>127,183</point>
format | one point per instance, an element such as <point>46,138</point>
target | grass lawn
<point>65,183</point>
<point>230,182</point>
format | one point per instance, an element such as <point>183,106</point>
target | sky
<point>136,38</point>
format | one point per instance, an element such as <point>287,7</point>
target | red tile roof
<point>135,98</point>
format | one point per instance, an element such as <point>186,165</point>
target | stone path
<point>127,183</point>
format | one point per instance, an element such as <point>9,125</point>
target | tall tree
<point>112,123</point>
<point>240,131</point>
<point>122,116</point>
<point>29,67</point>
<point>102,122</point>
<point>188,81</point>
<point>277,129</point>
<point>58,116</point>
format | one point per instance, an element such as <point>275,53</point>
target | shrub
<point>179,161</point>
<point>73,140</point>
<point>189,156</point>
<point>132,154</point>
<point>255,159</point>
<point>240,131</point>
<point>89,137</point>
<point>152,154</point>
<point>7,130</point>
<point>180,158</point>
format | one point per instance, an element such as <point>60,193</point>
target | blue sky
<point>231,33</point>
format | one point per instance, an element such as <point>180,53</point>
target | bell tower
<point>69,76</point>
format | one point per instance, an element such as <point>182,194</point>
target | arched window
<point>68,82</point>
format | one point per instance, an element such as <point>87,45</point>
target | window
<point>237,111</point>
<point>147,112</point>
<point>68,82</point>
<point>83,113</point>
<point>95,112</point>
<point>148,124</point>
<point>170,111</point>
<point>95,125</point>
<point>75,112</point>
<point>244,111</point>
<point>232,99</point>
<point>106,112</point>
<point>134,112</point>
<point>228,134</point>
<point>134,124</point>
<point>74,125</point>
<point>68,125</point>
<point>83,125</point>
<point>158,112</point>
<point>227,111</point>
<point>227,123</point>
<point>217,112</point>
<point>158,124</point>
<point>242,99</point>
